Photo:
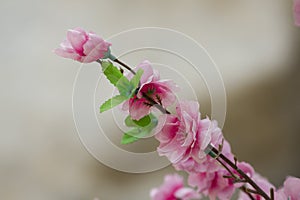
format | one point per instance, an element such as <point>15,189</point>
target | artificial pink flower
<point>297,12</point>
<point>82,46</point>
<point>183,137</point>
<point>161,91</point>
<point>213,184</point>
<point>290,190</point>
<point>247,169</point>
<point>173,189</point>
<point>262,182</point>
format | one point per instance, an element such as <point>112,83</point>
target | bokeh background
<point>254,43</point>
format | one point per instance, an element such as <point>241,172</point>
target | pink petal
<point>138,109</point>
<point>148,71</point>
<point>66,54</point>
<point>292,188</point>
<point>297,12</point>
<point>77,38</point>
<point>191,107</point>
<point>186,194</point>
<point>94,48</point>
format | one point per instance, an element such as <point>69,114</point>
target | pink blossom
<point>297,12</point>
<point>290,190</point>
<point>247,169</point>
<point>207,164</point>
<point>161,91</point>
<point>82,46</point>
<point>262,182</point>
<point>213,184</point>
<point>183,138</point>
<point>173,189</point>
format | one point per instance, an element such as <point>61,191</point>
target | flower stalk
<point>258,190</point>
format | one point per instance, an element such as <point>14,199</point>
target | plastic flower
<point>161,91</point>
<point>297,12</point>
<point>213,184</point>
<point>247,169</point>
<point>207,164</point>
<point>290,190</point>
<point>173,189</point>
<point>262,182</point>
<point>82,46</point>
<point>183,137</point>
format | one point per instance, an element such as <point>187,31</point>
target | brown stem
<point>272,193</point>
<point>154,103</point>
<point>124,65</point>
<point>245,176</point>
<point>244,189</point>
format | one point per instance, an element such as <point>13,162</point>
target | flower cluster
<point>173,189</point>
<point>192,144</point>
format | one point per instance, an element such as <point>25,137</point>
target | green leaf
<point>141,128</point>
<point>111,72</point>
<point>116,100</point>
<point>125,87</point>
<point>136,78</point>
<point>126,139</point>
<point>138,123</point>
<point>129,122</point>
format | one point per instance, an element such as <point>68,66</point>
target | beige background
<point>254,43</point>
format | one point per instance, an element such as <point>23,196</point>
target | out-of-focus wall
<point>254,43</point>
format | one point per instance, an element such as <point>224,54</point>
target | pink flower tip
<point>83,46</point>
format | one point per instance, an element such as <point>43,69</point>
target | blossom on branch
<point>160,91</point>
<point>184,136</point>
<point>213,184</point>
<point>83,46</point>
<point>173,189</point>
<point>262,182</point>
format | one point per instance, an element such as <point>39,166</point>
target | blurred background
<point>254,43</point>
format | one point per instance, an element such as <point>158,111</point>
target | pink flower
<point>173,189</point>
<point>161,91</point>
<point>213,184</point>
<point>247,169</point>
<point>262,182</point>
<point>207,164</point>
<point>290,190</point>
<point>297,12</point>
<point>183,138</point>
<point>82,46</point>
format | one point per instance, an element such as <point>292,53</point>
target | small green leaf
<point>129,122</point>
<point>111,72</point>
<point>125,87</point>
<point>116,100</point>
<point>145,121</point>
<point>141,128</point>
<point>136,78</point>
<point>126,139</point>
